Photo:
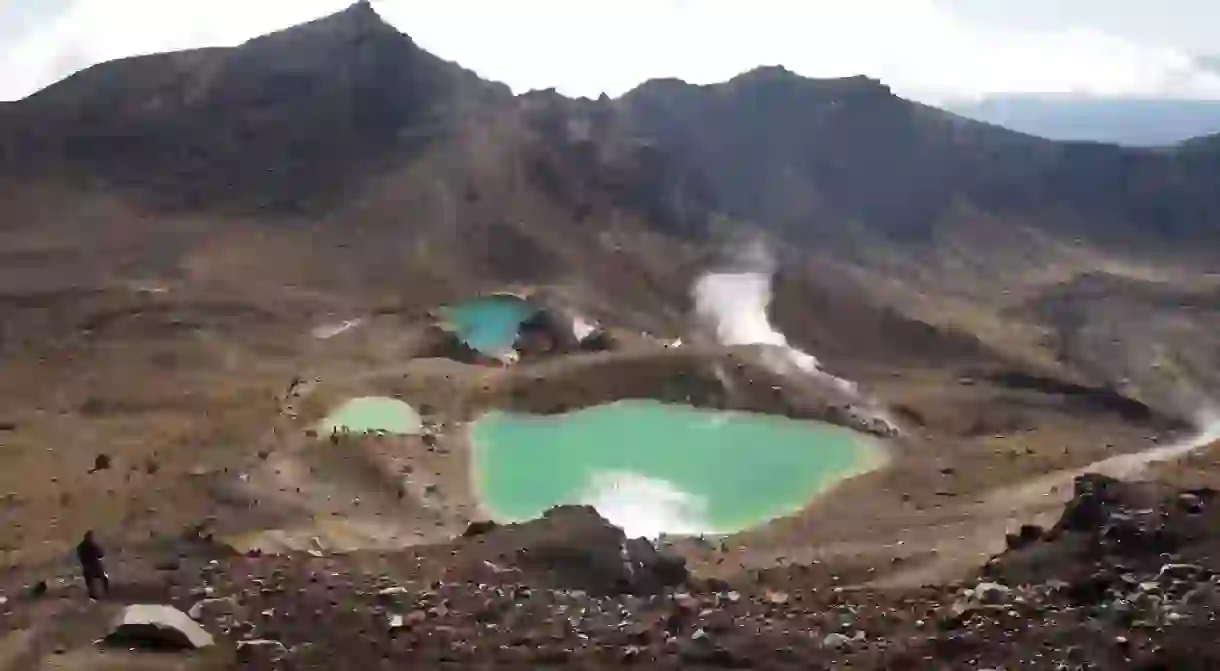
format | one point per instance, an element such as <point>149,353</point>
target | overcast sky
<point>930,50</point>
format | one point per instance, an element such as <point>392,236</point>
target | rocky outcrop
<point>601,340</point>
<point>1141,526</point>
<point>574,547</point>
<point>1094,397</point>
<point>1134,558</point>
<point>547,332</point>
<point>1125,580</point>
<point>441,342</point>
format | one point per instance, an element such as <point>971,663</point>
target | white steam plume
<point>735,304</point>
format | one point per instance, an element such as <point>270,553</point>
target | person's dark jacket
<point>90,554</point>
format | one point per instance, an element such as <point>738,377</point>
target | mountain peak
<point>778,74</point>
<point>362,12</point>
<point>775,72</point>
<point>254,118</point>
<point>357,22</point>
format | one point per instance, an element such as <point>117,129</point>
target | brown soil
<point>1124,579</point>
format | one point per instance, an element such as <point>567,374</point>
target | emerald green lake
<point>373,414</point>
<point>654,468</point>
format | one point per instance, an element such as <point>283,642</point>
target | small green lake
<point>654,468</point>
<point>489,324</point>
<point>373,414</point>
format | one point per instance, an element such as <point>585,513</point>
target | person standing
<point>90,555</point>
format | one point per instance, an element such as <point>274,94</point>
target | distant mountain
<point>339,159</point>
<point>808,155</point>
<point>1127,121</point>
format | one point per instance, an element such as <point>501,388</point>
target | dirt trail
<point>976,531</point>
<point>1122,466</point>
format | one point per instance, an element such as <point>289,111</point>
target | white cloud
<point>919,47</point>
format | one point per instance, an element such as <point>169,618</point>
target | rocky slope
<point>177,229</point>
<point>1125,579</point>
<point>342,160</point>
<point>212,125</point>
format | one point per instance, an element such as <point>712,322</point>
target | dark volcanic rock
<point>1137,525</point>
<point>556,591</point>
<point>574,547</point>
<point>1027,535</point>
<point>547,332</point>
<point>652,569</point>
<point>600,340</point>
<point>478,528</point>
<point>101,462</point>
<point>440,342</point>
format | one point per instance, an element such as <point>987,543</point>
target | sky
<point>928,50</point>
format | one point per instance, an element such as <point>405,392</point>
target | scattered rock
<point>776,598</point>
<point>1191,503</point>
<point>38,589</point>
<point>1179,572</point>
<point>197,610</point>
<point>415,617</point>
<point>101,463</point>
<point>478,528</point>
<point>392,595</point>
<point>700,649</point>
<point>205,591</point>
<point>1206,594</point>
<point>991,594</point>
<point>651,569</point>
<point>1027,535</point>
<point>157,627</point>
<point>600,341</point>
<point>836,641</point>
<point>260,651</point>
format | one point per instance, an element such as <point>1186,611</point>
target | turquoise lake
<point>656,468</point>
<point>489,324</point>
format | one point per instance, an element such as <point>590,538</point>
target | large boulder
<point>546,332</point>
<point>601,340</point>
<point>157,627</point>
<point>574,547</point>
<point>1110,523</point>
<point>652,569</point>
